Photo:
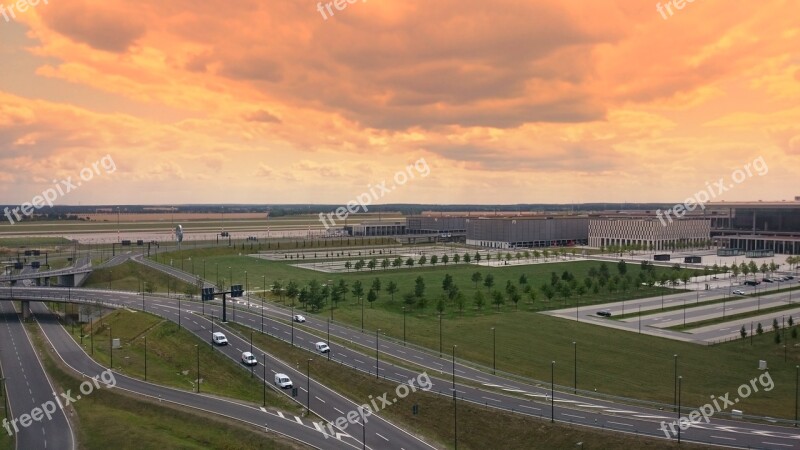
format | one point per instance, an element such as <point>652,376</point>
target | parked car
<point>219,339</point>
<point>298,318</point>
<point>249,359</point>
<point>283,381</point>
<point>604,313</point>
<point>766,280</point>
<point>739,292</point>
<point>791,277</point>
<point>322,347</point>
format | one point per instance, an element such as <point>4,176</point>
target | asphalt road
<point>525,397</point>
<point>29,389</point>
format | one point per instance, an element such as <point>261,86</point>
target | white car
<point>298,318</point>
<point>322,347</point>
<point>249,359</point>
<point>739,292</point>
<point>283,381</point>
<point>219,339</point>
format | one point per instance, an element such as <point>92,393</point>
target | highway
<point>28,389</point>
<point>526,397</point>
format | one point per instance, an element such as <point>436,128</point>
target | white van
<point>218,338</point>
<point>282,380</point>
<point>322,347</point>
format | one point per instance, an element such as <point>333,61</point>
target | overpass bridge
<point>69,276</point>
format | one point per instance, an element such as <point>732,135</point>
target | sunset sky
<point>507,101</point>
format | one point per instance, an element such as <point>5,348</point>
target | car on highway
<point>283,381</point>
<point>249,359</point>
<point>604,313</point>
<point>219,339</point>
<point>739,292</point>
<point>322,347</point>
<point>298,318</point>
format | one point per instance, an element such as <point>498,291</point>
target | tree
<point>447,283</point>
<point>397,262</point>
<point>743,332</point>
<point>498,299</point>
<point>434,260</point>
<point>476,278</point>
<point>735,270</point>
<point>342,288</point>
<point>790,321</point>
<point>488,281</point>
<point>419,287</point>
<point>422,260</point>
<point>775,325</point>
<point>467,258</point>
<point>372,296</point>
<point>410,262</point>
<point>292,291</point>
<point>376,285</point>
<point>460,301</point>
<point>777,338</point>
<point>409,298</point>
<point>372,264</point>
<point>391,288</point>
<point>515,298</point>
<point>440,305</point>
<point>477,257</point>
<point>523,279</point>
<point>445,259</point>
<point>622,267</point>
<point>348,265</point>
<point>358,289</point>
<point>359,264</point>
<point>385,263</point>
<point>456,258</point>
<point>759,329</point>
<point>479,299</point>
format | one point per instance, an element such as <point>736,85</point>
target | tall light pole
<point>198,367</point>
<point>145,358</point>
<point>110,348</point>
<point>329,340</point>
<point>679,408</point>
<point>494,350</point>
<point>575,364</point>
<point>264,358</point>
<point>675,378</point>
<point>404,326</point>
<point>454,366</point>
<point>263,303</point>
<point>377,353</point>
<point>308,384</point>
<point>552,391</point>
<point>291,319</point>
<point>251,352</point>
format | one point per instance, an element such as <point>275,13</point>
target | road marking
<point>776,443</point>
<point>620,423</point>
<point>281,414</point>
<point>492,399</point>
<point>577,417</point>
<point>376,434</point>
<point>646,416</point>
<point>530,407</point>
<point>323,401</point>
<point>726,438</point>
<point>263,409</point>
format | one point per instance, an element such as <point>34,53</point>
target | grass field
<point>172,357</point>
<point>610,361</point>
<point>129,276</point>
<point>478,427</point>
<point>108,419</point>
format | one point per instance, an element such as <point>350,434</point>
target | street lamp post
<point>454,367</point>
<point>264,358</point>
<point>251,352</point>
<point>404,326</point>
<point>440,335</point>
<point>377,352</point>
<point>494,350</point>
<point>675,380</point>
<point>291,319</point>
<point>264,302</point>
<point>145,358</point>
<point>575,364</point>
<point>198,367</point>
<point>308,385</point>
<point>552,391</point>
<point>679,408</point>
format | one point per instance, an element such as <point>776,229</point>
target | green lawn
<point>109,419</point>
<point>478,427</point>
<point>171,357</point>
<point>129,276</point>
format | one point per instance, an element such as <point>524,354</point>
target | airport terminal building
<point>649,232</point>
<point>527,232</point>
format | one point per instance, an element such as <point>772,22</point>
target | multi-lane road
<point>525,397</point>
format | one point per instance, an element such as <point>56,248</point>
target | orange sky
<point>507,101</point>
